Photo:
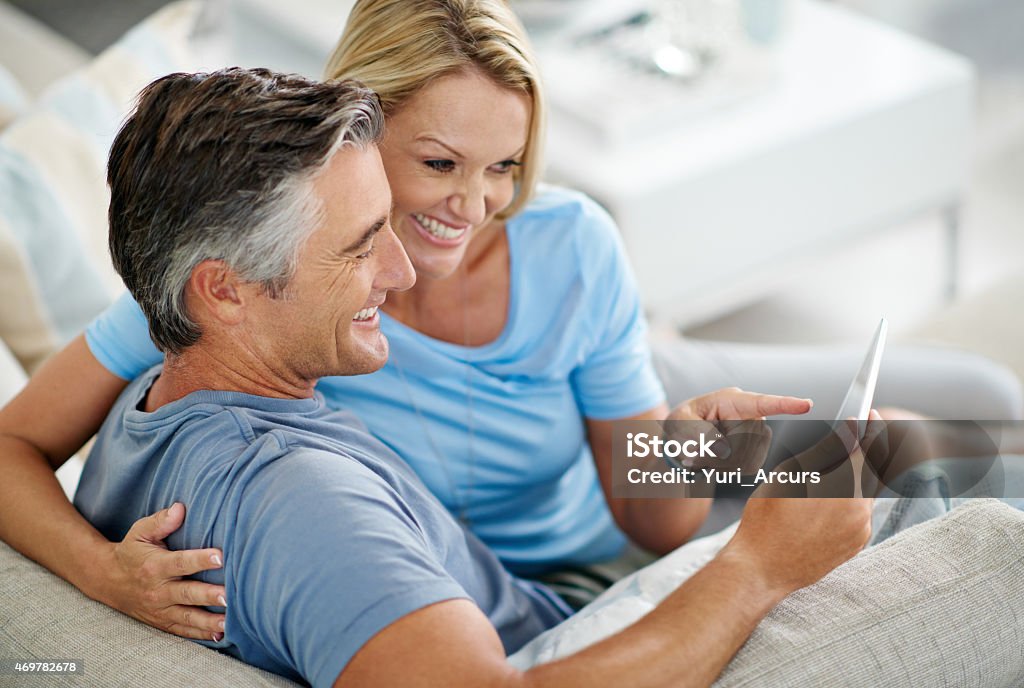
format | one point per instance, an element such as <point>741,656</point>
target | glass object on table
<point>655,66</point>
<point>684,38</point>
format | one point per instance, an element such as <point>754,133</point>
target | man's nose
<point>396,272</point>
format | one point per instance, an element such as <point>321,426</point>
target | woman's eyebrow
<point>434,139</point>
<point>457,154</point>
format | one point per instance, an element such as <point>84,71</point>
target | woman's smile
<point>438,232</point>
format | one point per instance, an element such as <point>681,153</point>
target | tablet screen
<point>861,394</point>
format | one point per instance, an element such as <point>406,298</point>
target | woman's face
<point>449,154</point>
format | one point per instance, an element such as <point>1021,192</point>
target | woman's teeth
<point>438,229</point>
<point>366,314</point>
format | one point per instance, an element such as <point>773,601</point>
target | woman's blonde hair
<point>396,47</point>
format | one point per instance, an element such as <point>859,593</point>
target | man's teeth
<point>366,314</point>
<point>441,231</point>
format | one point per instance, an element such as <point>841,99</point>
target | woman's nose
<point>470,202</point>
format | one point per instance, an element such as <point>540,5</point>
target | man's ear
<point>215,290</point>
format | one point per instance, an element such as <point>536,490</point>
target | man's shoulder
<point>320,454</point>
<point>321,451</point>
<point>228,431</point>
<point>222,418</point>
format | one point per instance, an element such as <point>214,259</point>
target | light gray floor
<point>899,274</point>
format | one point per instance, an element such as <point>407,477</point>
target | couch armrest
<point>938,604</point>
<point>43,617</point>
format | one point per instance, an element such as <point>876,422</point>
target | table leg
<point>951,218</point>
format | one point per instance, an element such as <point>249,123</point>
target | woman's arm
<point>658,525</point>
<point>61,407</point>
<point>661,525</point>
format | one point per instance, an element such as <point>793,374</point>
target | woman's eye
<point>506,166</point>
<point>440,165</point>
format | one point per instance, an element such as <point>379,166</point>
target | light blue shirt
<point>497,431</point>
<point>328,536</point>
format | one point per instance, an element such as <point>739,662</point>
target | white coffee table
<point>862,127</point>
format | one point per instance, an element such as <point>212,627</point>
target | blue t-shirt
<point>328,536</point>
<point>497,431</point>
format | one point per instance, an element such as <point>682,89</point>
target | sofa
<point>866,624</point>
<point>55,276</point>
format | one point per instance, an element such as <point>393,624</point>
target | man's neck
<point>224,369</point>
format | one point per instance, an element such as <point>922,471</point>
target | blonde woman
<point>521,342</point>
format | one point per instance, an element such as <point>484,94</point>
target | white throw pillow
<point>13,100</point>
<point>12,377</point>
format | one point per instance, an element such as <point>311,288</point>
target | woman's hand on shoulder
<point>143,579</point>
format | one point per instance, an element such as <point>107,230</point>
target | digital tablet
<point>861,394</point>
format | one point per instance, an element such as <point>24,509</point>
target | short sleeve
<point>119,339</point>
<point>616,378</point>
<point>312,580</point>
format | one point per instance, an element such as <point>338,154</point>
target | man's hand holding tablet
<point>839,458</point>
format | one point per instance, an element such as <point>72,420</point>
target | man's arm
<point>781,545</point>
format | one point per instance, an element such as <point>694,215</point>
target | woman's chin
<point>436,267</point>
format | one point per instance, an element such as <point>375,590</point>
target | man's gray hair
<point>220,166</point>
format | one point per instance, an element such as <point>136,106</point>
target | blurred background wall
<point>837,296</point>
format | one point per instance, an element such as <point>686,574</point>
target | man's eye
<point>367,253</point>
<point>440,165</point>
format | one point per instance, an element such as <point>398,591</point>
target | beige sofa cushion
<point>42,617</point>
<point>55,272</point>
<point>13,100</point>
<point>939,604</point>
<point>33,53</point>
<point>983,323</point>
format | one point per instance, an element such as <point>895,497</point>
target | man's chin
<point>368,356</point>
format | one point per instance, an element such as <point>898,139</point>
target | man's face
<point>326,322</point>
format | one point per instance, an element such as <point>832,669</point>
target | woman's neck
<point>469,306</point>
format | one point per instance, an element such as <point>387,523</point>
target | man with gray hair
<point>249,218</point>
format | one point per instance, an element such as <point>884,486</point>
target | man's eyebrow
<point>369,233</point>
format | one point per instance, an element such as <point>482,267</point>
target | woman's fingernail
<point>220,624</point>
<point>217,637</point>
<point>215,558</point>
<point>223,602</point>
